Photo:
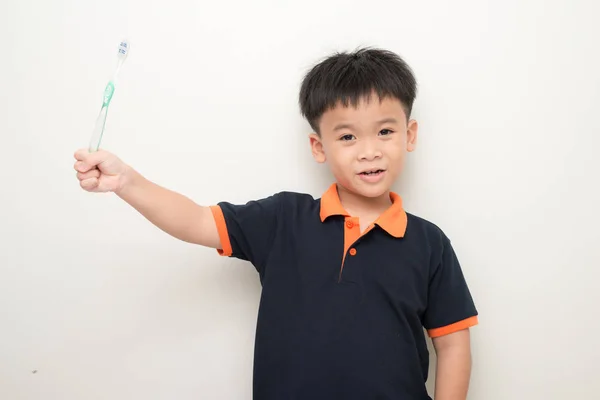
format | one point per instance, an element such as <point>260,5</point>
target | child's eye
<point>347,137</point>
<point>385,132</point>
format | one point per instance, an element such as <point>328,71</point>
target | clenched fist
<point>100,171</point>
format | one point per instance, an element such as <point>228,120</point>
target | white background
<point>96,303</point>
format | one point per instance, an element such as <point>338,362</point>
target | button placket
<point>352,236</point>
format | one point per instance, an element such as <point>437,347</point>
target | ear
<point>411,135</point>
<point>316,146</point>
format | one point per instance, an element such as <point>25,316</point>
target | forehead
<point>366,112</point>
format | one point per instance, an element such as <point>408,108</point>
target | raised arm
<point>172,212</point>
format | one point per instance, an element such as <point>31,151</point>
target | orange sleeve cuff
<point>225,249</point>
<point>455,327</point>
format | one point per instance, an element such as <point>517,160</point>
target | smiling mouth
<point>372,172</point>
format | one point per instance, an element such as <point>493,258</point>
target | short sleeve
<point>450,306</point>
<point>247,230</point>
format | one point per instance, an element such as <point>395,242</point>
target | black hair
<point>349,77</point>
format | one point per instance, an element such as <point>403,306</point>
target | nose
<point>369,150</point>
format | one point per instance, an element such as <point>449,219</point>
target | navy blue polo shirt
<point>343,314</point>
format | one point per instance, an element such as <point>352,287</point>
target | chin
<point>364,189</point>
<point>371,191</point>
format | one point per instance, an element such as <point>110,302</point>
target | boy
<point>350,280</point>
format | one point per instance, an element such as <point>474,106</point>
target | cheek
<point>396,149</point>
<point>395,157</point>
<point>344,158</point>
<point>335,154</point>
<point>341,163</point>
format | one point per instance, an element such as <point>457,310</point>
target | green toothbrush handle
<point>98,130</point>
<point>101,120</point>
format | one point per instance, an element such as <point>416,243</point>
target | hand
<point>100,171</point>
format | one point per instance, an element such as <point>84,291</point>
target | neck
<point>356,204</point>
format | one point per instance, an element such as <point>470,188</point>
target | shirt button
<point>350,224</point>
<point>352,252</point>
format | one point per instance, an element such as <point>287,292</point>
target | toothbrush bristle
<point>123,48</point>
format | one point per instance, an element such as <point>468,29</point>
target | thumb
<point>87,161</point>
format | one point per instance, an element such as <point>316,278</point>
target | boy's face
<point>365,145</point>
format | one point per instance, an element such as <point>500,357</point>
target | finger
<point>81,154</point>
<point>89,184</point>
<point>94,173</point>
<point>82,167</point>
<point>92,159</point>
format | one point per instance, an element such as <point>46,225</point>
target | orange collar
<point>393,220</point>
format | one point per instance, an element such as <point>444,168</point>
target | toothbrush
<point>107,97</point>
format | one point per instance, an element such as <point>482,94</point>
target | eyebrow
<point>343,125</point>
<point>346,125</point>
<point>389,120</point>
